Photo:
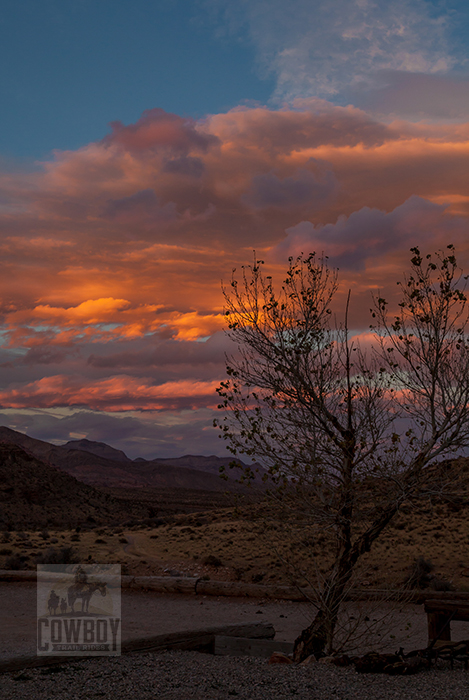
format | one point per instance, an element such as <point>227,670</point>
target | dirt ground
<point>146,614</point>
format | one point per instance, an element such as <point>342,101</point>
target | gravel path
<point>189,675</point>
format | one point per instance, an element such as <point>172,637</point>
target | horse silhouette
<point>53,603</point>
<point>84,591</point>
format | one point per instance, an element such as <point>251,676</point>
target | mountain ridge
<point>99,471</point>
<point>37,494</point>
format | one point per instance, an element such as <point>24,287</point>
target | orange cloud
<point>101,319</point>
<point>120,246</point>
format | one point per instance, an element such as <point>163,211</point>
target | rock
<point>279,658</point>
<point>309,660</point>
<point>342,660</point>
<point>326,660</point>
<point>407,667</point>
<point>375,663</point>
<point>397,669</point>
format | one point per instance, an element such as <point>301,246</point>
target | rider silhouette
<point>81,577</point>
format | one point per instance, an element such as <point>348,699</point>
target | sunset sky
<point>147,148</point>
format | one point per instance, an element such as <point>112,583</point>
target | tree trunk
<point>319,634</point>
<point>313,639</point>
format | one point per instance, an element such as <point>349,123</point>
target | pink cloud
<point>159,129</point>
<point>117,393</point>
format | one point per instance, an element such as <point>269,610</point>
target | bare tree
<point>346,435</point>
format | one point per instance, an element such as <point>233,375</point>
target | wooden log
<point>200,639</point>
<point>196,640</point>
<point>191,585</point>
<point>456,609</point>
<point>242,646</point>
<point>166,584</point>
<point>446,595</point>
<point>11,576</point>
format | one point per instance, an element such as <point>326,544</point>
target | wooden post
<point>439,626</point>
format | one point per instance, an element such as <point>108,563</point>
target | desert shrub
<point>239,573</point>
<point>212,560</point>
<point>16,562</point>
<point>21,536</point>
<point>53,556</point>
<point>6,536</point>
<point>45,535</point>
<point>5,551</point>
<point>75,538</point>
<point>100,541</point>
<point>441,584</point>
<point>420,573</point>
<point>122,540</point>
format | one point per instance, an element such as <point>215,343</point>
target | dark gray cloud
<point>157,352</point>
<point>415,95</point>
<point>143,204</point>
<point>193,167</point>
<point>369,233</point>
<point>148,436</point>
<point>304,187</point>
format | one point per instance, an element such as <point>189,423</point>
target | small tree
<point>347,435</point>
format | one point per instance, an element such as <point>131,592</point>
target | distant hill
<point>210,464</point>
<point>97,448</point>
<point>189,472</point>
<point>35,494</point>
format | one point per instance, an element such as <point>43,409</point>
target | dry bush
<point>420,576</point>
<point>212,560</point>
<point>16,562</point>
<point>53,556</point>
